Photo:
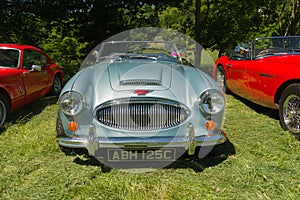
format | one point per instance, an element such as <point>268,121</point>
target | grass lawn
<point>260,161</point>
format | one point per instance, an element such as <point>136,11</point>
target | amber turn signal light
<point>210,125</point>
<point>72,126</point>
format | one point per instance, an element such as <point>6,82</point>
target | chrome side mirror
<point>95,54</point>
<point>36,68</point>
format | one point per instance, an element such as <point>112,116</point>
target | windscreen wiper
<point>142,57</point>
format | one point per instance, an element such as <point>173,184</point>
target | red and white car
<point>26,74</point>
<point>267,72</point>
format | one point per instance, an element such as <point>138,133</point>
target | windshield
<point>151,44</point>
<point>9,58</point>
<point>276,45</point>
<point>145,50</point>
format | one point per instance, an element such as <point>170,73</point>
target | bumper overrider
<point>189,142</point>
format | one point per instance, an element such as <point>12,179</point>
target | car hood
<point>103,82</point>
<point>128,75</point>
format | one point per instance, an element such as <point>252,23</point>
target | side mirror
<point>36,68</point>
<point>95,54</point>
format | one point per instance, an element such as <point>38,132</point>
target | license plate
<point>166,154</point>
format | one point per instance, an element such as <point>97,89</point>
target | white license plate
<point>165,154</point>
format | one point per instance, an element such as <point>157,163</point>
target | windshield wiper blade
<point>143,57</point>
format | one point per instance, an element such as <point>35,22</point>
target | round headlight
<point>71,103</point>
<point>212,101</point>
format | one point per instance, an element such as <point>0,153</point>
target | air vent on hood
<point>140,82</point>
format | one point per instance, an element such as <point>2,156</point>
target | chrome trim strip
<point>267,75</point>
<point>152,142</point>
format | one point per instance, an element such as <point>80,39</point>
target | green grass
<point>261,161</point>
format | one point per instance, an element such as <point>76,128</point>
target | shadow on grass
<point>272,113</point>
<point>25,114</point>
<point>216,156</point>
<point>91,161</point>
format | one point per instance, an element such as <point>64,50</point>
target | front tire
<point>4,108</point>
<point>221,78</point>
<point>289,109</point>
<point>56,86</point>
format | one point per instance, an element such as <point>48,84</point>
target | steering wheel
<point>271,51</point>
<point>266,51</point>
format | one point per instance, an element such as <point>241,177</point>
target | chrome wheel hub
<point>220,78</point>
<point>291,113</point>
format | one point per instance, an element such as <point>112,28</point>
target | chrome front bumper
<point>72,142</point>
<point>154,142</point>
<point>190,142</point>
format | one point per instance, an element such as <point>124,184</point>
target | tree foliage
<point>62,45</point>
<point>69,29</point>
<point>281,17</point>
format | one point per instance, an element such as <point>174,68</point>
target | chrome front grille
<point>142,114</point>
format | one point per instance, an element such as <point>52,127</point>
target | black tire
<point>4,108</point>
<point>60,132</point>
<point>221,78</point>
<point>289,109</point>
<point>56,86</point>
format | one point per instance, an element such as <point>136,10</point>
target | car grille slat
<point>142,115</point>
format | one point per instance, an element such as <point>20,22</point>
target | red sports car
<point>26,74</point>
<point>267,72</point>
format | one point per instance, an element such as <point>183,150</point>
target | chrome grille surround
<point>141,114</point>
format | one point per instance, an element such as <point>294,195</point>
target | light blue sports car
<point>140,101</point>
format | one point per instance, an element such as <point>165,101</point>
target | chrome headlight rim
<point>71,103</point>
<point>212,101</point>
